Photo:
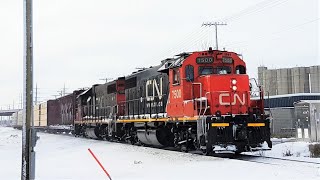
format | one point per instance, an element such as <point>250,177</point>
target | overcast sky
<point>78,42</point>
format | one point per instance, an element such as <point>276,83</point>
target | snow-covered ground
<point>62,157</point>
<point>289,150</point>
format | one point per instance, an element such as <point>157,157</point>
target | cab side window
<point>240,69</point>
<point>190,73</point>
<point>176,77</point>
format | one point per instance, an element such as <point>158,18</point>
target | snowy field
<point>64,157</point>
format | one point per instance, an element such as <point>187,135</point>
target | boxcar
<point>62,111</point>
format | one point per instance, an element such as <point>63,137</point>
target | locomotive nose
<point>227,94</point>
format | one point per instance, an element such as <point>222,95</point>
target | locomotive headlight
<point>234,88</point>
<point>234,82</point>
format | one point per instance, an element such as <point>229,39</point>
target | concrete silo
<point>300,80</point>
<point>315,79</point>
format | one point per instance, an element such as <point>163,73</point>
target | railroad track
<point>282,159</point>
<point>275,160</point>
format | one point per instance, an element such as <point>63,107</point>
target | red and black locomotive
<point>194,101</point>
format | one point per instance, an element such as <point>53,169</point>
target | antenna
<point>215,24</point>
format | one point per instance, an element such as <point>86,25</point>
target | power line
<point>254,9</point>
<point>195,36</point>
<point>275,33</point>
<point>215,24</point>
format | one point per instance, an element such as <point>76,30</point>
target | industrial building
<point>301,121</point>
<point>287,91</point>
<point>290,114</point>
<point>289,80</point>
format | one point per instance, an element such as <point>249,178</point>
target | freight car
<point>62,111</point>
<point>199,100</point>
<point>39,116</point>
<point>55,115</point>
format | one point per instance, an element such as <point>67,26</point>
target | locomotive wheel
<point>184,148</point>
<point>269,144</point>
<point>237,153</point>
<point>207,153</point>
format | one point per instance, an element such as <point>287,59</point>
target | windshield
<point>206,70</point>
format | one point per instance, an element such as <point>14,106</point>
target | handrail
<point>206,103</point>
<point>200,93</point>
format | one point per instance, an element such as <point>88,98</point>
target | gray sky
<point>78,42</point>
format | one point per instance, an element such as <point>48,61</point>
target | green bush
<point>314,150</point>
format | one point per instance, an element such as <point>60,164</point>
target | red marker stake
<point>99,163</point>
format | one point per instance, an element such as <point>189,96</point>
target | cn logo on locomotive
<point>155,89</point>
<point>224,99</point>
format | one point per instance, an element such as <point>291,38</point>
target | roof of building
<point>308,102</point>
<point>292,95</point>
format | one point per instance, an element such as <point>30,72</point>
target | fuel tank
<point>155,137</point>
<point>93,132</point>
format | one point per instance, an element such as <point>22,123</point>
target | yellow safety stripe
<point>157,120</point>
<point>220,124</point>
<point>91,121</point>
<point>256,124</point>
<point>140,120</point>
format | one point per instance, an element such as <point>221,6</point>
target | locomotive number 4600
<point>176,93</point>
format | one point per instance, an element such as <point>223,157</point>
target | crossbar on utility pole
<point>215,24</point>
<point>28,135</point>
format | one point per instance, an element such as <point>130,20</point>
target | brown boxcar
<point>62,111</point>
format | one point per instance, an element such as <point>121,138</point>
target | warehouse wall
<point>283,122</point>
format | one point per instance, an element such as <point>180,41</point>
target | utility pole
<point>215,24</point>
<point>20,99</point>
<point>64,89</point>
<point>60,93</point>
<point>28,135</point>
<point>106,79</point>
<point>36,100</point>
